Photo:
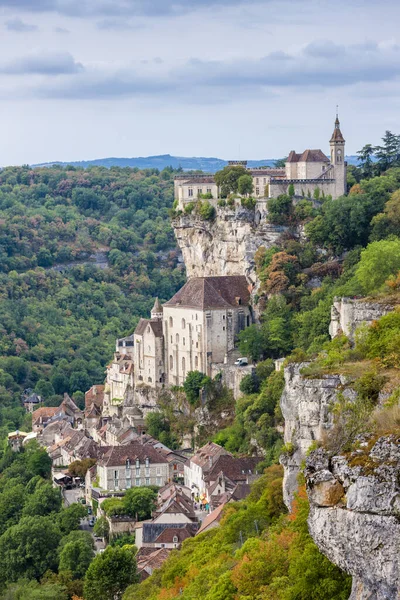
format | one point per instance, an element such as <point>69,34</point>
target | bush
<point>189,208</point>
<point>250,384</point>
<point>206,211</point>
<point>248,203</point>
<point>378,262</point>
<point>280,209</point>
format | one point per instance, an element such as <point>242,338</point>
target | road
<point>71,496</point>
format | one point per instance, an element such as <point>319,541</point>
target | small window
<point>183,365</point>
<point>146,462</point>
<point>177,338</point>
<point>175,539</point>
<point>265,180</point>
<point>128,463</point>
<point>171,322</point>
<point>137,482</point>
<point>257,181</point>
<point>172,340</point>
<point>257,191</point>
<point>196,361</point>
<point>171,362</point>
<point>209,191</point>
<point>183,324</point>
<point>223,317</point>
<point>199,191</point>
<point>196,317</point>
<point>190,192</point>
<point>183,341</point>
<point>147,480</point>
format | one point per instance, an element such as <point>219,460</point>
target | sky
<point>233,79</point>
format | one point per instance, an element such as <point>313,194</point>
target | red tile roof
<point>212,292</point>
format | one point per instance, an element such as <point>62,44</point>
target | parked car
<point>241,362</point>
<point>91,522</point>
<point>89,510</point>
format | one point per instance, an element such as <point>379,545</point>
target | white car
<point>241,362</point>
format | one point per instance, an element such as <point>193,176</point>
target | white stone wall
<point>259,184</point>
<point>172,518</point>
<point>149,358</point>
<point>302,187</point>
<point>120,478</point>
<point>189,191</point>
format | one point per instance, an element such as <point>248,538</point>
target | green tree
<point>227,179</point>
<point>378,262</point>
<point>109,574</point>
<point>388,154</point>
<point>280,209</point>
<point>33,590</point>
<point>140,502</point>
<point>245,185</point>
<point>252,343</point>
<point>39,462</point>
<point>194,382</point>
<point>250,384</point>
<point>291,190</point>
<point>44,388</point>
<point>365,156</point>
<point>69,518</point>
<point>43,501</point>
<point>76,557</point>
<point>29,548</point>
<point>101,528</point>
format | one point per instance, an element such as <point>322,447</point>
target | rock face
<point>305,405</point>
<point>226,245</point>
<point>347,314</point>
<point>358,528</point>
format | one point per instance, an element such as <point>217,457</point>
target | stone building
<point>201,322</point>
<point>306,171</point>
<point>149,349</point>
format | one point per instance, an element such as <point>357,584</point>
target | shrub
<point>250,384</point>
<point>206,211</point>
<point>280,209</point>
<point>189,208</point>
<point>248,203</point>
<point>378,262</point>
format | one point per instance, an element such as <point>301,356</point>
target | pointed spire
<point>337,134</point>
<point>157,310</point>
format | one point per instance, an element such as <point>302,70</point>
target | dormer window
<point>128,463</point>
<point>175,539</point>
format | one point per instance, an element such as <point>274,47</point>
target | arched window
<point>171,362</point>
<point>183,341</point>
<point>196,361</point>
<point>177,338</point>
<point>183,324</point>
<point>175,539</point>
<point>183,365</point>
<point>171,322</point>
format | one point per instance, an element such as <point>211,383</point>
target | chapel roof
<point>212,292</point>
<point>337,134</point>
<point>157,308</point>
<point>307,156</point>
<point>155,326</point>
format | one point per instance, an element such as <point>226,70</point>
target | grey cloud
<point>61,30</point>
<point>114,8</point>
<point>19,26</point>
<point>54,64</point>
<point>117,25</point>
<point>316,65</point>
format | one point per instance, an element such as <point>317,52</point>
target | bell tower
<point>337,144</point>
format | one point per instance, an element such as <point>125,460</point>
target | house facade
<point>133,465</point>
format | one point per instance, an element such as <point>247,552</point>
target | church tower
<point>337,144</point>
<point>157,310</point>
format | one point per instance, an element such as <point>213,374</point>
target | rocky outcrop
<point>347,314</point>
<point>226,245</point>
<point>305,405</point>
<point>355,514</point>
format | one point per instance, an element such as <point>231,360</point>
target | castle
<point>306,172</point>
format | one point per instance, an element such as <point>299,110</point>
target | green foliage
<point>159,427</point>
<point>378,262</point>
<point>76,557</point>
<point>194,382</point>
<point>245,185</point>
<point>206,210</point>
<point>43,501</point>
<point>228,179</point>
<point>110,574</point>
<point>32,590</point>
<point>101,527</point>
<point>138,502</point>
<point>189,208</point>
<point>280,209</point>
<point>290,191</point>
<point>69,518</point>
<point>250,384</point>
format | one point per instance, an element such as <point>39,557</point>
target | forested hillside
<point>60,312</point>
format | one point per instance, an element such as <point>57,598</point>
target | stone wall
<point>347,314</point>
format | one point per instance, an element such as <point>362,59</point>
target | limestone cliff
<point>348,313</point>
<point>226,245</point>
<point>355,514</point>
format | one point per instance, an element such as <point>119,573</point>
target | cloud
<point>318,65</point>
<point>117,25</point>
<point>110,8</point>
<point>19,26</point>
<point>50,64</point>
<point>61,30</point>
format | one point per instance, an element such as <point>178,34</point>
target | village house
<point>16,440</point>
<point>32,401</point>
<point>133,465</point>
<point>150,559</point>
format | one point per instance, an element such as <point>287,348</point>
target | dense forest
<point>61,311</point>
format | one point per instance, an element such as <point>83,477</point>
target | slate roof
<point>155,325</point>
<point>307,156</point>
<point>117,455</point>
<point>167,536</point>
<point>33,399</point>
<point>337,134</point>
<point>151,531</point>
<point>212,292</point>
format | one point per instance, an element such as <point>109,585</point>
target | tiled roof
<point>118,455</point>
<point>95,395</point>
<point>46,412</point>
<point>212,292</point>
<point>307,156</point>
<point>210,451</point>
<point>151,531</point>
<point>155,325</point>
<point>213,517</point>
<point>167,536</point>
<point>337,134</point>
<point>236,469</point>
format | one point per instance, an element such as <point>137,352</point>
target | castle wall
<point>303,187</point>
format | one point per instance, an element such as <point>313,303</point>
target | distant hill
<point>209,165</point>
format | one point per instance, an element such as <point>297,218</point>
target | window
<point>257,191</point>
<point>172,340</point>
<point>190,192</point>
<point>223,317</point>
<point>209,191</point>
<point>223,329</point>
<point>158,481</point>
<point>158,471</point>
<point>196,317</point>
<point>199,191</point>
<point>183,324</point>
<point>183,365</point>
<point>257,181</point>
<point>115,474</point>
<point>171,322</point>
<point>149,380</point>
<point>147,462</point>
<point>137,481</point>
<point>177,338</point>
<point>175,539</point>
<point>147,481</point>
<point>184,341</point>
<point>128,463</point>
<point>171,362</point>
<point>196,361</point>
<point>265,180</point>
<point>197,344</point>
<point>128,484</point>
